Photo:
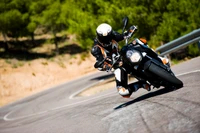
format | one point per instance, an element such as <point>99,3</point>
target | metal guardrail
<point>179,43</point>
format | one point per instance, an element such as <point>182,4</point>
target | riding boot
<point>133,87</point>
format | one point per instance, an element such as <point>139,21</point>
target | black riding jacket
<point>100,52</point>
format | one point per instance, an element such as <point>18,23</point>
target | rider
<point>104,49</point>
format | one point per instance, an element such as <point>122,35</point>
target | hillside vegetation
<point>159,21</point>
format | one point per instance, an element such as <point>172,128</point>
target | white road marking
<point>6,117</point>
<point>76,93</point>
<point>188,72</point>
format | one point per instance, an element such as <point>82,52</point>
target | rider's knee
<point>123,92</point>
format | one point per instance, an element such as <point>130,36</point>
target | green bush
<point>193,50</point>
<point>158,21</point>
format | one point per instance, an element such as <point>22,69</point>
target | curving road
<point>57,110</point>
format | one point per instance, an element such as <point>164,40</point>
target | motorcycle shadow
<point>146,96</point>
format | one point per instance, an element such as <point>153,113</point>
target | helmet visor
<point>105,39</point>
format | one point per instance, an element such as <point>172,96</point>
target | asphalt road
<point>58,110</point>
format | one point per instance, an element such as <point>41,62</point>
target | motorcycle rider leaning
<point>106,48</point>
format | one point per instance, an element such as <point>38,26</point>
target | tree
<point>8,27</point>
<point>178,19</point>
<point>157,21</point>
<point>14,18</point>
<point>51,19</point>
<point>78,17</point>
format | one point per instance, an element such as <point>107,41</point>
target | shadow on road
<point>146,96</point>
<point>108,76</point>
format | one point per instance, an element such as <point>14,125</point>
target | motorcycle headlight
<point>134,56</point>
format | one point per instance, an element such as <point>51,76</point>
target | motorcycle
<point>143,63</point>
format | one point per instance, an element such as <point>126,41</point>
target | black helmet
<point>104,34</point>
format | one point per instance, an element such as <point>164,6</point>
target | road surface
<point>58,110</point>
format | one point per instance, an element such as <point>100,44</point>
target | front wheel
<point>165,75</point>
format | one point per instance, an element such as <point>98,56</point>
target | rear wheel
<point>165,75</point>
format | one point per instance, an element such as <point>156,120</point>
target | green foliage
<point>159,21</point>
<point>14,17</point>
<point>193,50</point>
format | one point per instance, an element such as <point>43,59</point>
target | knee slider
<point>124,92</point>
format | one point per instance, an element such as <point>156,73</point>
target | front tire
<point>165,75</point>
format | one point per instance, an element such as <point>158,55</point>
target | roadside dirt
<point>39,74</point>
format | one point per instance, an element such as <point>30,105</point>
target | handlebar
<point>132,29</point>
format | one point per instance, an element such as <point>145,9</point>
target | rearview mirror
<point>125,23</point>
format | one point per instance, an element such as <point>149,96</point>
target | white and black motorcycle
<point>144,64</point>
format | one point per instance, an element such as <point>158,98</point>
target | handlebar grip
<point>130,35</point>
<point>133,28</point>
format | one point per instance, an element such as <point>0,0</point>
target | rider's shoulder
<point>95,50</point>
<point>96,42</point>
<point>115,33</point>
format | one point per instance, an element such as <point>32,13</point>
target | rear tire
<point>165,75</point>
